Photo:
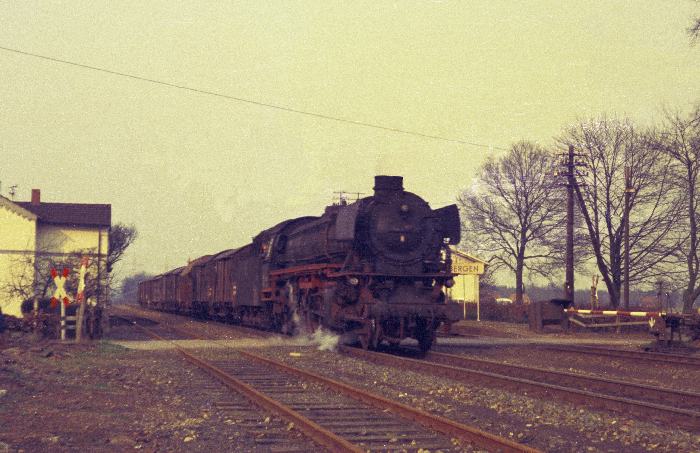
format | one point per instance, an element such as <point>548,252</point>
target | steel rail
<point>310,428</point>
<point>457,430</point>
<point>460,431</point>
<point>682,417</point>
<point>677,398</point>
<point>631,355</point>
<point>144,312</point>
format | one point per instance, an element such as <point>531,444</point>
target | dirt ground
<point>101,396</point>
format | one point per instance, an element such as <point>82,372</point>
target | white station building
<point>34,234</point>
<point>469,270</point>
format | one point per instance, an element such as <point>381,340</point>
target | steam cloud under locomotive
<point>373,270</point>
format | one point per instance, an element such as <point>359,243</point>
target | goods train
<point>373,270</point>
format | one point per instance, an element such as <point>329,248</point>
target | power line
<point>250,101</point>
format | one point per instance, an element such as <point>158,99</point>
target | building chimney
<point>36,196</point>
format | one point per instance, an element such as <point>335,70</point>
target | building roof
<point>467,256</point>
<point>79,214</point>
<point>14,207</point>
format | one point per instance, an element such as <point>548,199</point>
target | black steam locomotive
<point>373,269</point>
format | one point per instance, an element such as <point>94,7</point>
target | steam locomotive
<point>373,270</point>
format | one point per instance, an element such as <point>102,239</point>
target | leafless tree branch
<point>513,214</point>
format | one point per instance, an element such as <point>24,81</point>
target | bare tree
<point>120,238</point>
<point>608,147</point>
<point>680,139</point>
<point>514,215</point>
<point>21,283</point>
<point>128,289</point>
<point>30,272</point>
<point>694,30</point>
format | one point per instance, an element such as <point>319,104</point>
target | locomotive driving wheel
<point>364,340</point>
<point>369,339</point>
<point>308,312</point>
<point>311,322</point>
<point>425,335</point>
<point>285,322</point>
<point>425,340</point>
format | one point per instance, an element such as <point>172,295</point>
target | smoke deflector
<point>449,224</point>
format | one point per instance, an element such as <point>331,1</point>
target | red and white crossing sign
<point>81,279</point>
<point>60,293</point>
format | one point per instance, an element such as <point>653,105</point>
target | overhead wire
<point>252,101</point>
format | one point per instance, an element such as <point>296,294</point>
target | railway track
<point>656,357</point>
<point>638,400</point>
<point>255,421</point>
<point>229,331</point>
<point>334,414</point>
<point>643,392</point>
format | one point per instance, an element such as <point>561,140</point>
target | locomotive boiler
<point>373,270</point>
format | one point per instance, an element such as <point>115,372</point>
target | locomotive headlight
<point>404,208</point>
<point>354,281</point>
<point>449,283</point>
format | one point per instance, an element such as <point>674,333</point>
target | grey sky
<point>197,173</point>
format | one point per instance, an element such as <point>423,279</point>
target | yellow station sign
<point>465,266</point>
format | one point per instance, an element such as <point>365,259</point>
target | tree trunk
<point>689,297</point>
<point>691,292</point>
<point>616,278</point>
<point>519,283</point>
<point>597,249</point>
<point>614,294</point>
<point>687,301</point>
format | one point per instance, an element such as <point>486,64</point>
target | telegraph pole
<point>626,231</point>
<point>571,180</point>
<point>569,163</point>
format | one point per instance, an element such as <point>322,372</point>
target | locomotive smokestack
<point>385,185</point>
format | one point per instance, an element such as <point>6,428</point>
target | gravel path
<point>665,375</point>
<point>555,427</point>
<point>101,397</point>
<point>551,426</point>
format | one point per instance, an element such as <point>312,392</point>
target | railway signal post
<point>570,172</point>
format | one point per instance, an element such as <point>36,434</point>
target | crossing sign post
<point>60,296</point>
<point>81,299</point>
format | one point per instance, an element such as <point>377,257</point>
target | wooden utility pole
<point>571,180</point>
<point>35,291</point>
<point>594,293</point>
<point>626,231</point>
<point>660,295</point>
